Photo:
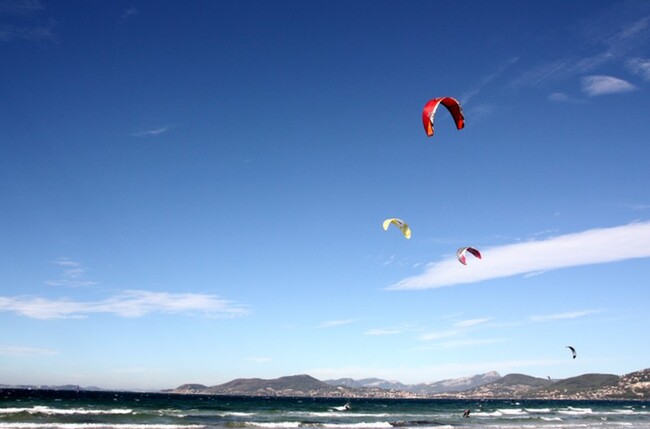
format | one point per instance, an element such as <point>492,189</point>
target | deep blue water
<point>39,409</point>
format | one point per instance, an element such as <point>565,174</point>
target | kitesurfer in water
<point>466,413</point>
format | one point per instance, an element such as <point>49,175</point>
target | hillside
<point>295,385</point>
<point>635,385</point>
<point>443,386</point>
<point>509,386</point>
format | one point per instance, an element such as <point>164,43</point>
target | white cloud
<point>560,316</point>
<point>20,7</point>
<point>132,303</point>
<point>152,132</point>
<point>25,351</point>
<point>596,246</point>
<point>129,12</point>
<point>614,35</point>
<point>601,85</point>
<point>335,323</point>
<point>640,66</point>
<point>501,68</point>
<point>383,331</point>
<point>559,97</point>
<point>458,329</point>
<point>33,33</point>
<point>71,276</point>
<point>436,335</point>
<point>471,322</point>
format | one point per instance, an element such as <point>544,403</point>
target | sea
<point>49,409</point>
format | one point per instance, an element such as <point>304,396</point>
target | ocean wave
<point>537,410</point>
<point>330,414</point>
<point>420,424</point>
<point>292,424</point>
<point>271,425</point>
<point>94,426</point>
<point>575,411</point>
<point>361,425</point>
<point>512,412</point>
<point>41,409</point>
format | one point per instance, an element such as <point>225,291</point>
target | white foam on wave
<point>41,409</point>
<point>328,414</point>
<point>273,424</point>
<point>576,411</point>
<point>512,412</point>
<point>362,425</point>
<point>490,414</point>
<point>538,410</point>
<point>93,426</point>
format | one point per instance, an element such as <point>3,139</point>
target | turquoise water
<point>36,409</point>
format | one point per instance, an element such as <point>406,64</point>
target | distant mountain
<point>456,384</point>
<point>368,383</point>
<point>635,385</point>
<point>449,385</point>
<point>295,385</point>
<point>509,386</point>
<point>46,387</point>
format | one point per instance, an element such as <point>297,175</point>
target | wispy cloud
<point>130,304</point>
<point>560,97</point>
<point>129,13</point>
<point>26,24</point>
<point>336,323</point>
<point>596,246</point>
<point>152,132</point>
<point>457,329</point>
<point>611,39</point>
<point>640,66</point>
<point>32,33</point>
<point>471,322</point>
<point>500,69</point>
<point>561,316</point>
<point>72,275</point>
<point>25,351</point>
<point>440,334</point>
<point>20,7</point>
<point>601,85</point>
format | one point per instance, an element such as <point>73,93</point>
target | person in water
<point>466,413</point>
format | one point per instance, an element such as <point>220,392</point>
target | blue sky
<point>195,191</point>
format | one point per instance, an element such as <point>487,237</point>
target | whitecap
<point>512,412</point>
<point>272,425</point>
<point>538,410</point>
<point>93,426</point>
<point>41,409</point>
<point>552,419</point>
<point>362,425</point>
